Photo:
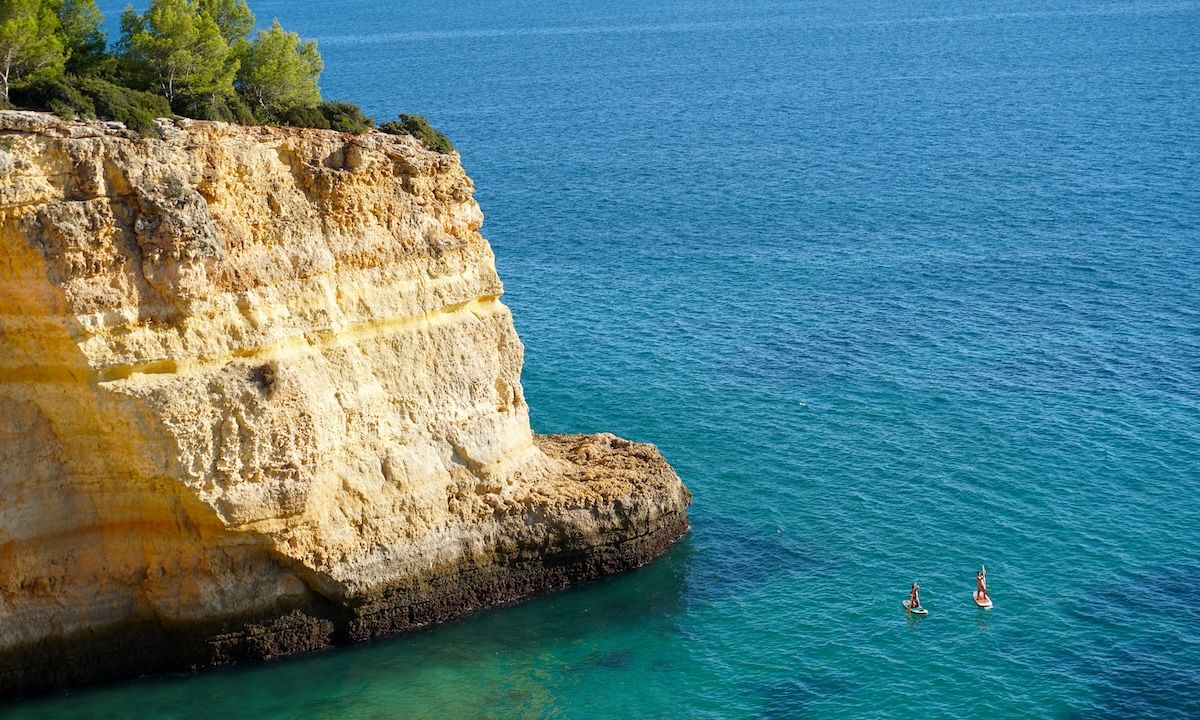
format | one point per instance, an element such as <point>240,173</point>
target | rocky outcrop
<point>258,396</point>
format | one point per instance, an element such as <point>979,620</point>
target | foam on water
<point>899,287</point>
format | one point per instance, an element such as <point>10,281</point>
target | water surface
<point>899,287</point>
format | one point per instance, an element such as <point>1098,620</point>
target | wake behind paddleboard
<point>986,604</point>
<point>918,611</point>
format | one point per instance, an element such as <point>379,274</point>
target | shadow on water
<point>1157,672</point>
<point>613,660</point>
<point>736,558</point>
<point>734,555</point>
<point>798,697</point>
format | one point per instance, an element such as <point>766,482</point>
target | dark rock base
<point>145,647</point>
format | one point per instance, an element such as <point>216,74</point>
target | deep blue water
<point>899,287</point>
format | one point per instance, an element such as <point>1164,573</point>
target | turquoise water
<point>899,288</point>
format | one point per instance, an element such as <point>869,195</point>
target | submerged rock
<point>259,396</point>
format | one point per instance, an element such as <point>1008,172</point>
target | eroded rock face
<point>258,395</point>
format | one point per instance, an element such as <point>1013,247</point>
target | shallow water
<point>898,287</point>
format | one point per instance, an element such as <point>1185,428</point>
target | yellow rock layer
<point>242,367</point>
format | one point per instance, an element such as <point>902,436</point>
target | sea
<point>900,288</point>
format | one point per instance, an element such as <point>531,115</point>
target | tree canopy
<point>177,50</point>
<point>198,54</point>
<point>194,58</point>
<point>82,34</point>
<point>279,73</point>
<point>31,43</point>
<point>233,18</point>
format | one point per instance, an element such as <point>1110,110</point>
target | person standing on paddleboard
<point>981,593</point>
<point>914,597</point>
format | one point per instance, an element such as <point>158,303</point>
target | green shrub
<point>220,107</point>
<point>418,126</point>
<point>340,116</point>
<point>309,117</point>
<point>57,95</point>
<point>91,97</point>
<point>346,117</point>
<point>135,108</point>
<point>176,187</point>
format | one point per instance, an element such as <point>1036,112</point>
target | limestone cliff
<point>258,395</point>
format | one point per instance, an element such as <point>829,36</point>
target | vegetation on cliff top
<point>419,127</point>
<point>194,58</point>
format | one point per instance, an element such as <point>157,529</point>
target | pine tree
<point>30,46</point>
<point>177,50</point>
<point>280,73</point>
<point>82,35</point>
<point>233,17</point>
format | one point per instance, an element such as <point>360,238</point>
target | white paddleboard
<point>918,611</point>
<point>986,604</point>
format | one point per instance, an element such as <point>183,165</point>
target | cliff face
<point>258,395</point>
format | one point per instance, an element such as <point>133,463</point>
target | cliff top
<point>44,123</point>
